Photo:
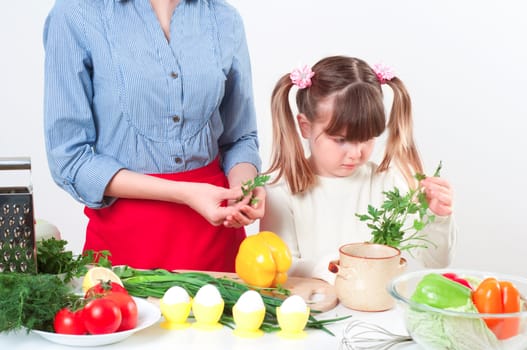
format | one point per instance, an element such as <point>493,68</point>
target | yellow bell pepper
<point>263,260</point>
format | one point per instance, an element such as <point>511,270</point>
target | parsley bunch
<point>53,258</point>
<point>389,223</point>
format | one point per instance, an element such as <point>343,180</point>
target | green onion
<point>154,283</point>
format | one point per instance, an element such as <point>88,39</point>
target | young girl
<point>313,199</point>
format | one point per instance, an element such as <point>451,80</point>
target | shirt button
<point>174,75</point>
<point>176,119</point>
<point>178,160</point>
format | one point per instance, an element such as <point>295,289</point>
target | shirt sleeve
<point>69,128</point>
<point>442,235</point>
<point>239,141</point>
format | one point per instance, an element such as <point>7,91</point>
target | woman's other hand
<point>246,212</point>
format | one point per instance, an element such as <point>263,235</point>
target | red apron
<point>150,234</point>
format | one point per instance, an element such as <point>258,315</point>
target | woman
<point>149,120</point>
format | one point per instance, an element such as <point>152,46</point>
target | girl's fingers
<point>440,209</point>
<point>440,204</point>
<point>443,186</point>
<point>436,187</point>
<point>435,180</point>
<point>439,194</point>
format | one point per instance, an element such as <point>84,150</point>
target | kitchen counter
<point>156,337</point>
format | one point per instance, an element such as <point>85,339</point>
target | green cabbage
<point>438,331</point>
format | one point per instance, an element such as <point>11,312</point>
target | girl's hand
<point>245,213</point>
<point>439,195</point>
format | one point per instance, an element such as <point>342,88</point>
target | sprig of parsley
<point>388,223</point>
<point>250,185</point>
<point>53,258</point>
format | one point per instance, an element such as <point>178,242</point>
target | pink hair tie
<point>301,77</point>
<point>383,72</point>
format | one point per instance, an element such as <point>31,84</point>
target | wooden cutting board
<point>318,294</point>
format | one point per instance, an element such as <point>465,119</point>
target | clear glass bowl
<point>435,328</point>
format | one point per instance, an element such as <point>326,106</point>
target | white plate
<point>147,315</point>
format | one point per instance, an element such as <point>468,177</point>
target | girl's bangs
<point>358,113</point>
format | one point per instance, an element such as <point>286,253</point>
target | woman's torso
<point>156,103</point>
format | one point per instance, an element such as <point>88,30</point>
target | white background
<point>462,61</point>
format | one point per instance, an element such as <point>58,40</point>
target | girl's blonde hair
<point>358,109</point>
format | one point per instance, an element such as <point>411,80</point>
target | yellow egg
<point>208,295</point>
<point>292,317</point>
<point>248,314</point>
<point>175,307</point>
<point>176,294</point>
<point>294,303</point>
<point>207,308</point>
<point>250,301</point>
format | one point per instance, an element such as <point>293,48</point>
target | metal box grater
<point>17,223</point>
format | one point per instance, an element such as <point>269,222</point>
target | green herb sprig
<point>388,223</point>
<point>250,185</point>
<point>53,258</point>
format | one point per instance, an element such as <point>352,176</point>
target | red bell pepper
<point>457,279</point>
<point>493,296</point>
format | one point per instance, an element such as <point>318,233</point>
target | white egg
<point>176,295</point>
<point>250,301</point>
<point>294,303</point>
<point>208,295</point>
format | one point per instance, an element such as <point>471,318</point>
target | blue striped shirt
<point>119,95</point>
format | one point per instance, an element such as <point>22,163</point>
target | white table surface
<point>156,337</point>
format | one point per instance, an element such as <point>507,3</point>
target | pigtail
<point>400,145</point>
<point>288,156</point>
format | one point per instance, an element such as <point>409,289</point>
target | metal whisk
<point>361,335</point>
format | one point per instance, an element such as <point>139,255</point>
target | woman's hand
<point>244,213</point>
<point>208,200</point>
<point>247,213</point>
<point>439,195</point>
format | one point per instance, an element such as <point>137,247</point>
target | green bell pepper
<point>441,292</point>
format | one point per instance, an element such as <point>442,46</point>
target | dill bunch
<point>31,300</point>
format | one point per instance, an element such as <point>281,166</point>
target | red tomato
<point>67,321</point>
<point>103,288</point>
<point>101,316</point>
<point>128,309</point>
